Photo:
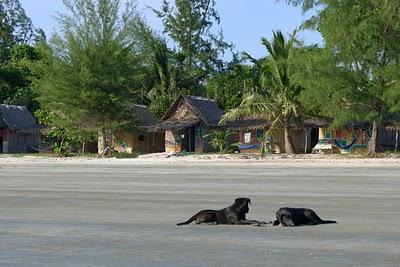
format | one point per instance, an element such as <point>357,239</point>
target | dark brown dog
<point>234,214</point>
<point>298,216</point>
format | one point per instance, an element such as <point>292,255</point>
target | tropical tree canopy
<point>275,95</point>
<point>191,26</point>
<point>15,27</point>
<point>91,72</point>
<point>354,77</point>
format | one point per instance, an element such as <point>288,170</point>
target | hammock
<point>244,147</point>
<point>345,147</point>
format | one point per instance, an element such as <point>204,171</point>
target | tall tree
<point>362,50</point>
<point>189,23</point>
<point>275,96</point>
<point>228,86</point>
<point>91,71</point>
<point>16,74</point>
<point>166,82</point>
<point>15,27</point>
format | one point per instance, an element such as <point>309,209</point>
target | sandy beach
<point>123,212</point>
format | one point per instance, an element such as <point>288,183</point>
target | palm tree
<point>164,88</point>
<point>167,78</point>
<point>274,95</point>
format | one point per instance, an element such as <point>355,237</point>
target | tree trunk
<point>104,138</point>
<point>289,148</point>
<point>372,142</point>
<point>397,141</point>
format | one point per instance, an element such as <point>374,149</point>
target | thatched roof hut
<point>19,131</point>
<point>188,111</point>
<point>143,140</point>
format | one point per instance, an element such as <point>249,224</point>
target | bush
<point>220,141</point>
<point>61,149</point>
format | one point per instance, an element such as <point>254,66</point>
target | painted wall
<point>14,141</point>
<point>134,142</point>
<point>251,139</point>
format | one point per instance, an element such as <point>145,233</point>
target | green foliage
<point>16,32</point>
<point>61,149</point>
<point>15,27</point>
<point>220,140</point>
<point>190,23</point>
<point>306,5</point>
<point>166,82</point>
<point>228,86</point>
<point>63,132</point>
<point>16,88</point>
<point>91,73</point>
<point>355,76</point>
<point>275,95</point>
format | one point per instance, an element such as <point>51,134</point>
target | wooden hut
<point>19,132</point>
<point>187,122</point>
<point>251,134</point>
<point>353,138</point>
<point>143,140</point>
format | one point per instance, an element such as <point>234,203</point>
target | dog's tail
<point>327,221</point>
<point>316,219</point>
<point>194,217</point>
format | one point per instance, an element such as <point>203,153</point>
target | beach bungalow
<point>353,138</point>
<point>187,122</point>
<point>251,134</point>
<point>143,140</point>
<point>19,131</point>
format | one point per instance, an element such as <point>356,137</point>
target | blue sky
<point>244,22</point>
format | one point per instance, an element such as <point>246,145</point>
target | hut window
<point>141,137</point>
<point>328,135</point>
<point>260,134</point>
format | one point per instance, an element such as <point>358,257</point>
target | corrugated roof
<point>17,117</point>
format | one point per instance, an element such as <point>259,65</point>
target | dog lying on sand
<point>298,216</point>
<point>234,214</point>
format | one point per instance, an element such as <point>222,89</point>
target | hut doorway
<point>314,137</point>
<point>189,139</point>
<point>1,140</point>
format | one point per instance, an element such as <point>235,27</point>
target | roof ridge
<point>199,113</point>
<point>140,106</point>
<point>201,98</point>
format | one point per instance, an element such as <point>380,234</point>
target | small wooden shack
<point>143,140</point>
<point>187,122</point>
<point>353,138</point>
<point>19,131</point>
<point>251,134</point>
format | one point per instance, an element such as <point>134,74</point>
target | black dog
<point>234,214</point>
<point>298,216</point>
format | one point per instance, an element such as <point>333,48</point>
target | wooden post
<point>190,147</point>
<point>306,141</point>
